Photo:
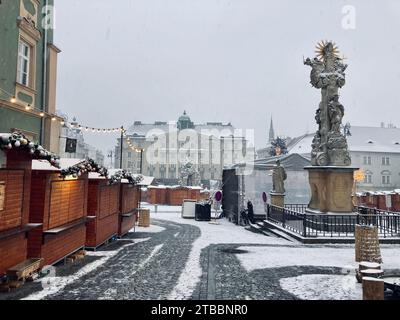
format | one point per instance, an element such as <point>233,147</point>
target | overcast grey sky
<point>233,61</point>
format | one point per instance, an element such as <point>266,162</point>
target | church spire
<point>271,135</point>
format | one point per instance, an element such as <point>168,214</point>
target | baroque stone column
<point>330,174</point>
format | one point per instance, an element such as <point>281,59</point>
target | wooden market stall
<point>157,195</point>
<point>103,205</point>
<point>59,203</point>
<point>129,199</point>
<point>396,201</point>
<point>129,204</point>
<point>176,195</point>
<point>16,154</point>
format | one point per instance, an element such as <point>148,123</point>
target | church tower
<point>271,135</point>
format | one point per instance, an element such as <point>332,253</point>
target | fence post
<point>304,225</point>
<point>283,217</point>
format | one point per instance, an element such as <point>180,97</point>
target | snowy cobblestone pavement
<point>185,259</point>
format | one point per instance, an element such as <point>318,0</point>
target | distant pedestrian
<point>250,212</point>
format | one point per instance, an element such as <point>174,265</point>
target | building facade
<point>161,149</point>
<point>28,71</point>
<point>375,150</point>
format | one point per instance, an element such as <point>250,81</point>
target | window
<point>385,161</point>
<point>385,179</point>
<point>129,155</point>
<point>368,178</point>
<point>24,60</point>
<point>367,160</point>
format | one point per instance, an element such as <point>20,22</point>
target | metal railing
<point>296,219</point>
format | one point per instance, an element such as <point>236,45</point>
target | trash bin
<point>189,209</point>
<point>144,218</point>
<point>203,212</point>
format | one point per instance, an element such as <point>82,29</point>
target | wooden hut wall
<point>129,204</point>
<point>103,203</point>
<point>57,204</point>
<point>14,209</point>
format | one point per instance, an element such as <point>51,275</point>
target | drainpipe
<point>44,78</point>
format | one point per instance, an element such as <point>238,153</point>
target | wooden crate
<point>61,206</point>
<point>104,206</point>
<point>24,269</point>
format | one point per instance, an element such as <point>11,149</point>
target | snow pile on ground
<point>323,287</point>
<point>332,256</point>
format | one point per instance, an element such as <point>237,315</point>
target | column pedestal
<point>277,199</point>
<point>331,189</point>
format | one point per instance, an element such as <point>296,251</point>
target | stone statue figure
<point>336,113</point>
<point>189,176</point>
<point>278,178</point>
<point>329,147</point>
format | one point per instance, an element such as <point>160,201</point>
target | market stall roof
<point>147,181</point>
<point>64,163</point>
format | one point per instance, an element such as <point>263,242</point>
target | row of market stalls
<point>381,200</point>
<point>51,208</point>
<point>174,195</point>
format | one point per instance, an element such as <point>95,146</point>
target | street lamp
<point>141,158</point>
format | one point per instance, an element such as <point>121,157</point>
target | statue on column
<point>329,147</point>
<point>278,178</point>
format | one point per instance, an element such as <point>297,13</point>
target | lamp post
<point>141,159</point>
<point>121,146</point>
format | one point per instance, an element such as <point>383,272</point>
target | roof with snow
<point>362,139</point>
<point>64,164</point>
<point>141,129</point>
<point>290,161</point>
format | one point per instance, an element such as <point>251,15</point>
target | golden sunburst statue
<point>320,49</point>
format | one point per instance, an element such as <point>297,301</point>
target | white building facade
<point>168,146</point>
<point>375,150</point>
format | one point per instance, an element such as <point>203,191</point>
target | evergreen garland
<point>17,141</point>
<point>88,165</point>
<point>122,174</point>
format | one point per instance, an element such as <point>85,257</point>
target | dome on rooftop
<point>184,122</point>
<point>184,117</point>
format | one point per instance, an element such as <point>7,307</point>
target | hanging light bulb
<point>41,114</point>
<point>28,107</point>
<point>13,99</point>
<point>62,122</point>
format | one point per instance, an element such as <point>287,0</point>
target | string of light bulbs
<point>75,125</point>
<point>29,107</point>
<point>129,143</point>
